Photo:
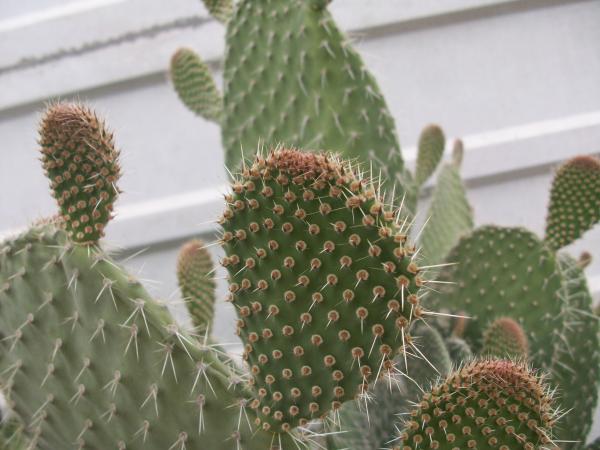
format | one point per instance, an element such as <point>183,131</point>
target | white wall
<point>517,79</point>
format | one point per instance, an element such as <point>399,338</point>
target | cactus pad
<point>82,164</point>
<point>195,85</point>
<point>504,338</point>
<point>486,405</point>
<point>431,149</point>
<point>574,201</point>
<point>220,9</point>
<point>90,361</point>
<point>292,77</point>
<point>322,279</point>
<point>505,272</point>
<point>197,284</point>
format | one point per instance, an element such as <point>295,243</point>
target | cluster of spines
<point>323,280</point>
<point>82,164</point>
<point>488,404</point>
<point>197,284</point>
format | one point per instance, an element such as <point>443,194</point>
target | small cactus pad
<point>485,405</point>
<point>576,365</point>
<point>195,85</point>
<point>431,149</point>
<point>504,272</point>
<point>82,164</point>
<point>197,284</point>
<point>292,77</point>
<point>220,9</point>
<point>89,361</point>
<point>323,281</point>
<point>574,201</point>
<point>450,215</point>
<point>504,338</point>
<point>459,350</point>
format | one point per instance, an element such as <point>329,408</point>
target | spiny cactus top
<point>574,200</point>
<point>505,338</point>
<point>82,164</point>
<point>486,405</point>
<point>197,284</point>
<point>323,281</point>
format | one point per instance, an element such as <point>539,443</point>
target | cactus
<point>431,148</point>
<point>577,356</point>
<point>574,201</point>
<point>82,164</point>
<point>504,338</point>
<point>487,404</point>
<point>12,435</point>
<point>371,421</point>
<point>450,216</point>
<point>196,282</point>
<point>322,279</point>
<point>220,9</point>
<point>195,86</point>
<point>458,350</point>
<point>89,360</point>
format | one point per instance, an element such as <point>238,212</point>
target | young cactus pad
<point>195,86</point>
<point>82,164</point>
<point>323,281</point>
<point>504,338</point>
<point>197,283</point>
<point>574,201</point>
<point>431,149</point>
<point>485,405</point>
<point>505,272</point>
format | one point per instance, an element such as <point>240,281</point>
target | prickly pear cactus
<point>82,164</point>
<point>195,86</point>
<point>504,338</point>
<point>487,405</point>
<point>197,284</point>
<point>459,351</point>
<point>220,9</point>
<point>505,272</point>
<point>322,279</point>
<point>292,77</point>
<point>431,149</point>
<point>574,201</point>
<point>576,364</point>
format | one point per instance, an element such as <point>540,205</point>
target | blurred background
<point>517,80</point>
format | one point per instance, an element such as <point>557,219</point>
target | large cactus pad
<point>323,281</point>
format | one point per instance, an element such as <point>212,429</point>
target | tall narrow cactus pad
<point>450,215</point>
<point>220,9</point>
<point>372,421</point>
<point>505,272</point>
<point>486,405</point>
<point>292,77</point>
<point>82,164</point>
<point>195,85</point>
<point>504,338</point>
<point>431,149</point>
<point>574,201</point>
<point>576,365</point>
<point>90,361</point>
<point>196,281</point>
<point>322,279</point>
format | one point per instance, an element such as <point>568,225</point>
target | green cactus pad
<point>431,149</point>
<point>291,77</point>
<point>504,272</point>
<point>82,164</point>
<point>486,405</point>
<point>220,9</point>
<point>88,360</point>
<point>450,215</point>
<point>576,365</point>
<point>370,423</point>
<point>322,279</point>
<point>195,85</point>
<point>197,284</point>
<point>504,338</point>
<point>574,201</point>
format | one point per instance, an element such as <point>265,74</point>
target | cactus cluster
<point>359,331</point>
